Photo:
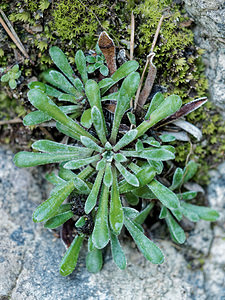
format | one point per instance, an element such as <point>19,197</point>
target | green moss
<point>73,18</point>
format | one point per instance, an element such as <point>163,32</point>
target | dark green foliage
<point>106,165</point>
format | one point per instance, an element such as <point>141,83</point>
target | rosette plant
<point>109,165</point>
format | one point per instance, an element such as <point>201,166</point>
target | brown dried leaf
<point>108,49</point>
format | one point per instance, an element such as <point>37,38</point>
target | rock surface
<point>209,16</point>
<point>30,255</point>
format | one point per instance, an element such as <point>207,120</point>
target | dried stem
<point>132,28</point>
<point>149,58</point>
<point>12,34</point>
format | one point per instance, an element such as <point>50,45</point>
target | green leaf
<point>166,196</point>
<point>91,69</point>
<point>112,96</point>
<point>58,220</point>
<point>127,91</point>
<point>90,59</point>
<point>25,159</point>
<point>104,70</point>
<point>144,213</point>
<point>53,147</point>
<point>93,94</point>
<point>163,212</point>
<point>93,196</point>
<point>192,216</point>
<point>131,198</point>
<point>87,142</point>
<point>117,252</point>
<point>94,261</point>
<point>120,157</point>
<point>81,186</point>
<point>116,211</point>
<point>61,62</point>
<point>80,61</point>
<point>99,124</point>
<point>177,233</point>
<point>139,147</point>
<point>150,251</point>
<point>108,178</point>
<point>131,118</point>
<point>47,209</point>
<point>50,91</point>
<point>80,222</point>
<point>77,163</point>
<point>125,140</point>
<point>144,176</point>
<point>151,141</point>
<point>86,120</point>
<point>123,71</point>
<point>167,138</point>
<point>177,179</point>
<point>12,84</point>
<point>68,97</point>
<point>177,213</point>
<point>189,171</point>
<point>5,77</point>
<point>45,104</point>
<point>154,154</point>
<point>37,85</point>
<point>129,177</point>
<point>144,192</point>
<point>101,164</point>
<point>100,235</point>
<point>187,195</point>
<point>36,117</point>
<point>58,80</point>
<point>154,104</point>
<point>204,213</point>
<point>156,165</point>
<point>169,106</point>
<point>67,131</point>
<point>104,82</point>
<point>56,180</point>
<point>70,258</point>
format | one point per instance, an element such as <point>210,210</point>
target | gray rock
<point>209,16</point>
<point>30,256</point>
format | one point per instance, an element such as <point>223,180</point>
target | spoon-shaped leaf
<point>80,61</point>
<point>54,179</point>
<point>67,131</point>
<point>85,119</point>
<point>129,177</point>
<point>70,258</point>
<point>58,220</point>
<point>123,71</point>
<point>53,147</point>
<point>189,171</point>
<point>47,209</point>
<point>204,213</point>
<point>25,159</point>
<point>166,196</point>
<point>155,102</point>
<point>154,154</point>
<point>127,91</point>
<point>94,261</point>
<point>93,94</point>
<point>93,196</point>
<point>36,117</point>
<point>144,176</point>
<point>98,122</point>
<point>87,142</point>
<point>116,211</point>
<point>177,179</point>
<point>77,163</point>
<point>117,252</point>
<point>42,102</point>
<point>125,140</point>
<point>60,81</point>
<point>150,251</point>
<point>169,106</point>
<point>100,235</point>
<point>108,177</point>
<point>61,62</point>
<point>177,233</point>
